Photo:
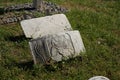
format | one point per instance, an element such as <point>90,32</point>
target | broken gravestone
<point>38,27</point>
<point>57,47</point>
<point>52,38</point>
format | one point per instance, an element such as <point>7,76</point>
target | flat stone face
<point>38,27</point>
<point>99,78</point>
<point>57,47</point>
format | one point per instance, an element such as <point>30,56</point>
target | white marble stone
<point>38,27</point>
<point>57,47</point>
<point>99,78</point>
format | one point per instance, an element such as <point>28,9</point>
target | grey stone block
<point>57,47</point>
<point>37,3</point>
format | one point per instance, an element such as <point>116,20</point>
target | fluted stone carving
<point>57,47</point>
<point>38,27</point>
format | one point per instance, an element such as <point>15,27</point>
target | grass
<point>99,24</point>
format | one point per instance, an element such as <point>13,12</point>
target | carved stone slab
<point>57,47</point>
<point>38,27</point>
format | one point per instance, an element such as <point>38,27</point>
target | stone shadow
<point>1,11</point>
<point>61,65</point>
<point>16,38</point>
<point>28,65</point>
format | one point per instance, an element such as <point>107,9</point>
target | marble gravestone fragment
<point>38,27</point>
<point>57,47</point>
<point>52,39</point>
<point>99,78</point>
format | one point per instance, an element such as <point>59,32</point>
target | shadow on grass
<point>25,65</point>
<point>16,38</point>
<point>61,65</point>
<point>53,67</point>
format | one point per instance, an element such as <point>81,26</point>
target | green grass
<point>99,24</point>
<point>11,2</point>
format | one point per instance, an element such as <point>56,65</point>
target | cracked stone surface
<point>57,47</point>
<point>38,27</point>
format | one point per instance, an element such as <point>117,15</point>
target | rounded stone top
<point>99,78</point>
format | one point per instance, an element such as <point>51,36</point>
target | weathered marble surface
<point>57,47</point>
<point>38,27</point>
<point>99,78</point>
